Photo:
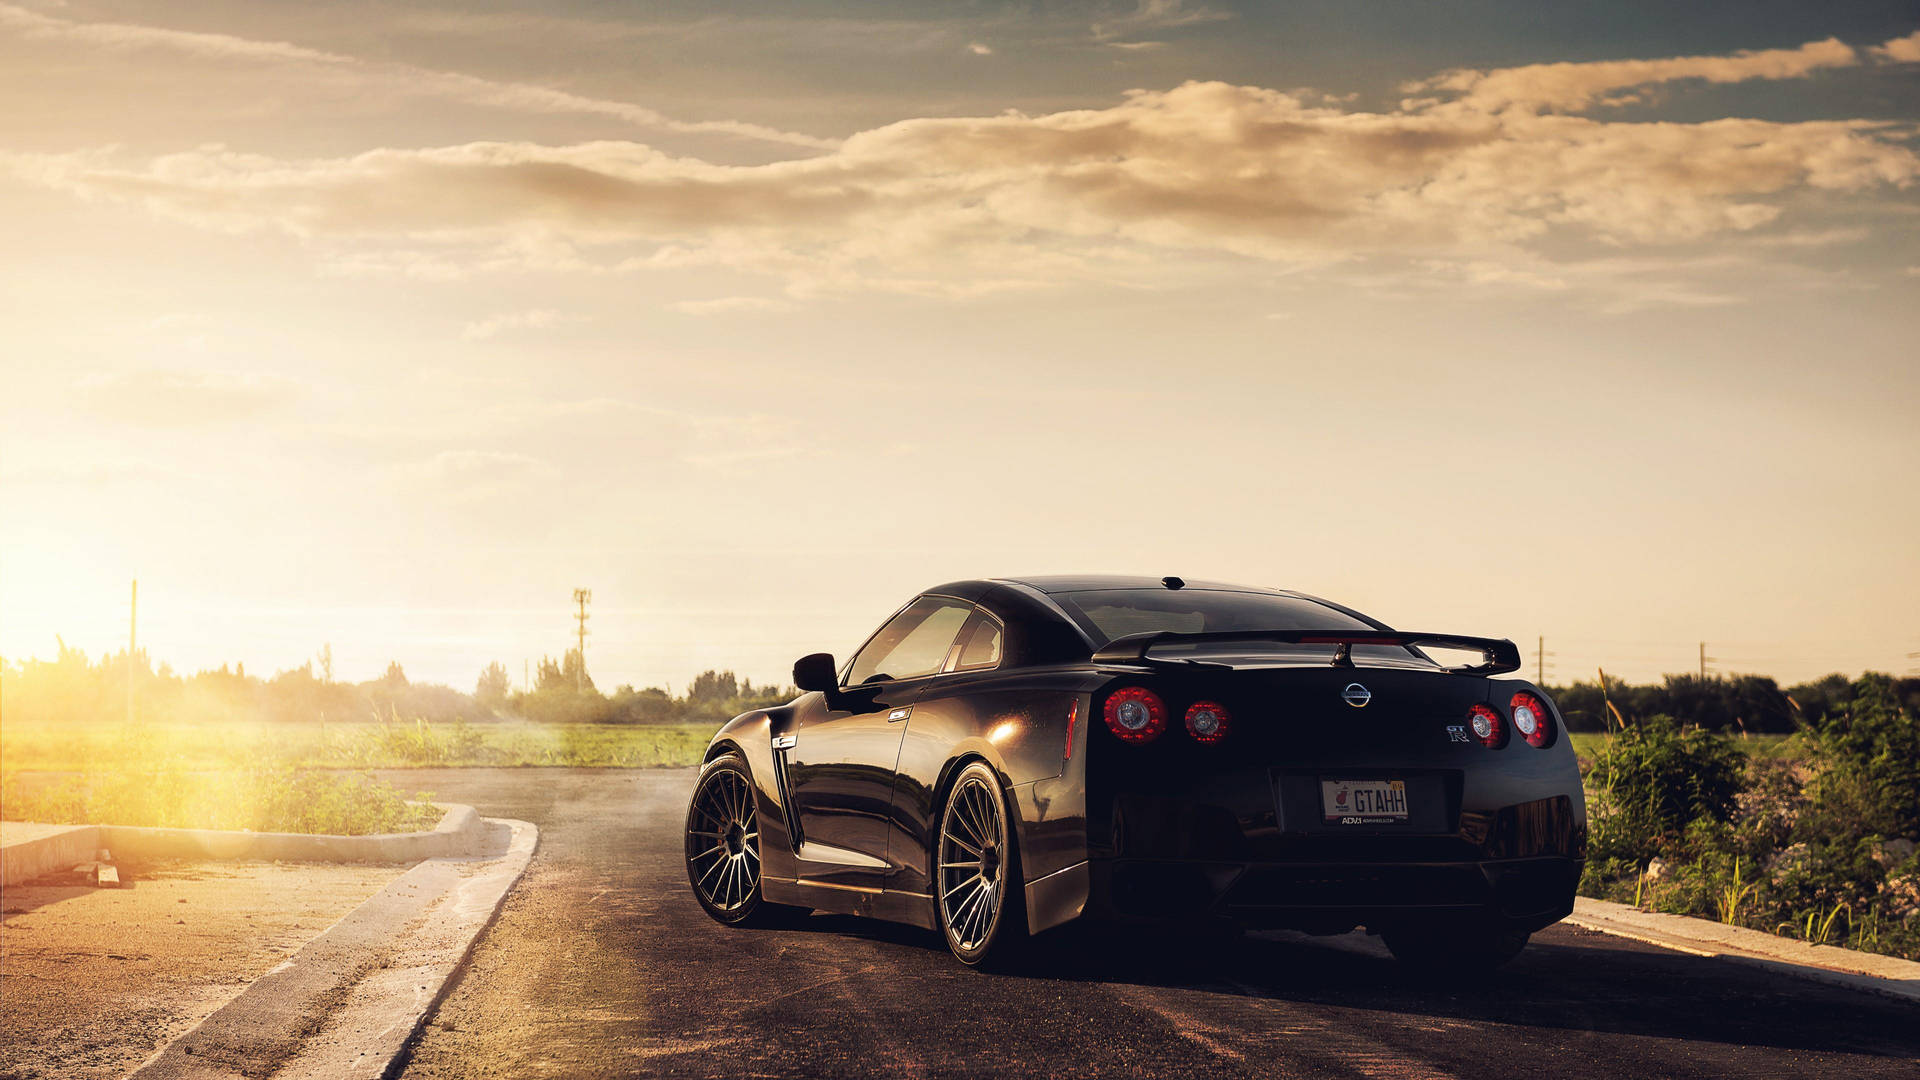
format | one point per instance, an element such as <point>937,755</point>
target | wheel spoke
<point>984,916</point>
<point>952,865</point>
<point>964,815</point>
<point>714,892</point>
<point>969,881</point>
<point>956,839</point>
<point>989,813</point>
<point>958,918</point>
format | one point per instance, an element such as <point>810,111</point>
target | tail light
<point>1136,714</point>
<point>1486,726</point>
<point>1208,721</point>
<point>1531,719</point>
<point>1073,721</point>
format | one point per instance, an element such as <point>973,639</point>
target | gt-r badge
<point>1356,695</point>
<point>1457,732</point>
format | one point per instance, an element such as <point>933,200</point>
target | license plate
<point>1363,802</point>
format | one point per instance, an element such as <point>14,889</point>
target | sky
<point>385,327</point>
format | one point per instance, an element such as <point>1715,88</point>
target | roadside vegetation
<point>272,799</point>
<point>226,749</point>
<point>1809,835</point>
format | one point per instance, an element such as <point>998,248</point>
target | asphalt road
<point>602,964</point>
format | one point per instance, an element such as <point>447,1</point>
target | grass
<point>273,799</point>
<point>290,777</point>
<point>388,744</point>
<point>1588,744</point>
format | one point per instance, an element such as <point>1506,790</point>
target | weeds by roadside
<point>1814,839</point>
<point>268,799</point>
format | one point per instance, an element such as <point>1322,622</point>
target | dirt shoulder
<point>93,981</point>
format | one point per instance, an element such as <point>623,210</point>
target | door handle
<point>899,714</point>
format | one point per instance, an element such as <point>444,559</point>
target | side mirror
<point>816,671</point>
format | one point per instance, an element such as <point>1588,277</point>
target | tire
<point>723,847</point>
<point>979,890</point>
<point>1454,950</point>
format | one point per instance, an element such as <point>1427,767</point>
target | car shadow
<point>1585,983</point>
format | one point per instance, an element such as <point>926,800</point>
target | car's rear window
<point>1107,614</point>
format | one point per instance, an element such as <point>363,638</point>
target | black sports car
<point>1003,757</point>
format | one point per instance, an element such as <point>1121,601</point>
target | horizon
<point>1556,670</point>
<point>389,328</point>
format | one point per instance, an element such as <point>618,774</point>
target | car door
<point>842,755</point>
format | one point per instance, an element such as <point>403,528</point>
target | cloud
<point>1571,87</point>
<point>1488,166</point>
<point>1901,50</point>
<point>979,49</point>
<point>403,78</point>
<point>495,325</point>
<point>161,397</point>
<point>1152,16</point>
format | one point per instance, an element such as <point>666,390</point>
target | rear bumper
<point>1518,866</point>
<point>1522,894</point>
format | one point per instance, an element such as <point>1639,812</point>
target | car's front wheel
<point>723,847</point>
<point>982,909</point>
<point>1454,950</point>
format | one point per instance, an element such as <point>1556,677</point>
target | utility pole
<point>1540,655</point>
<point>581,597</point>
<point>1703,661</point>
<point>133,642</point>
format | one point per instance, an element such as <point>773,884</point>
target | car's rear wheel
<point>1450,950</point>
<point>982,912</point>
<point>723,847</point>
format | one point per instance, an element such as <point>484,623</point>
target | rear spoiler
<point>1499,654</point>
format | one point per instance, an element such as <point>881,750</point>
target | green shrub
<point>1868,753</point>
<point>1655,778</point>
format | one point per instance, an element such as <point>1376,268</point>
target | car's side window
<point>980,645</point>
<point>913,643</point>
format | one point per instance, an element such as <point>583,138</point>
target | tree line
<point>72,687</point>
<point>1735,703</point>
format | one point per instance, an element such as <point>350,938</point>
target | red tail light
<point>1136,714</point>
<point>1486,726</point>
<point>1208,721</point>
<point>1531,719</point>
<point>1073,721</point>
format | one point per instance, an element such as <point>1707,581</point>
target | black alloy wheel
<point>723,847</point>
<point>979,882</point>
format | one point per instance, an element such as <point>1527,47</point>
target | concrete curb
<point>1871,972</point>
<point>28,851</point>
<point>349,1004</point>
<point>460,832</point>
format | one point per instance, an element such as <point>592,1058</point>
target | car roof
<point>1063,583</point>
